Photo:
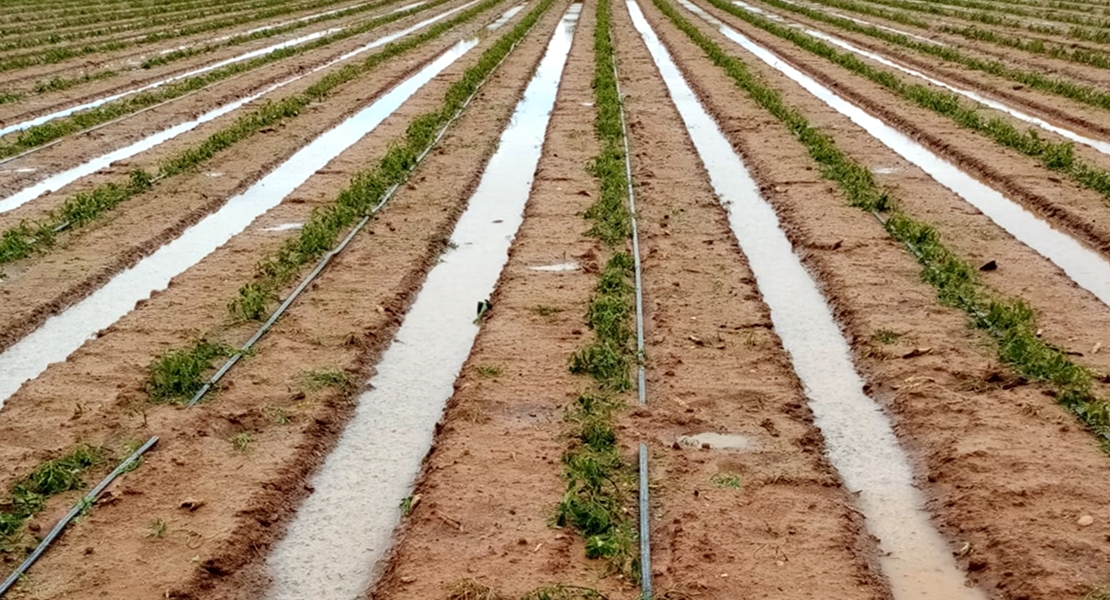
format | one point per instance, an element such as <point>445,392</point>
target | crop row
<point>941,8</point>
<point>168,57</point>
<point>84,16</point>
<point>1009,322</point>
<point>1082,93</point>
<point>44,133</point>
<point>596,501</point>
<point>1056,156</point>
<point>1089,34</point>
<point>80,209</point>
<point>32,38</point>
<point>59,54</point>
<point>1034,46</point>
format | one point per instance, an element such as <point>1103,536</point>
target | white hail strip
<point>1084,266</point>
<point>55,182</point>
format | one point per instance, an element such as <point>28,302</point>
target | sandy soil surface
<point>968,426</point>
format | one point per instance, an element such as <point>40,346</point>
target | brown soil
<point>342,323</point>
<point>955,409</point>
<point>40,286</point>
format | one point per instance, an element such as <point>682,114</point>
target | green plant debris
<point>323,378</point>
<point>178,374</point>
<point>469,589</point>
<point>30,493</point>
<point>242,441</point>
<point>489,371</point>
<point>278,415</point>
<point>157,529</point>
<point>1057,156</point>
<point>886,336</point>
<point>726,480</point>
<point>563,592</point>
<point>1010,323</point>
<point>546,310</point>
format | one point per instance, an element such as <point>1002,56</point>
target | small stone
<point>1085,520</point>
<point>408,579</point>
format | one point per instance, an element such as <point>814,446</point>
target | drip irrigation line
<point>641,380</point>
<point>323,262</point>
<point>641,377</point>
<point>82,505</point>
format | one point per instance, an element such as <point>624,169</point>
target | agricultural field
<point>555,299</point>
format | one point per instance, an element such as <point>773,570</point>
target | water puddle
<point>504,18</point>
<point>1084,266</point>
<point>1099,145</point>
<point>557,268</point>
<point>284,227</point>
<point>343,529</point>
<point>57,181</point>
<point>61,334</point>
<point>198,71</point>
<point>716,441</point>
<point>858,437</point>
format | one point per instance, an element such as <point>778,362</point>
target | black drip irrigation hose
<point>82,505</point>
<point>212,381</point>
<point>641,380</point>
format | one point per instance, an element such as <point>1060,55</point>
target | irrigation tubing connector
<point>641,380</point>
<point>323,263</point>
<point>82,505</point>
